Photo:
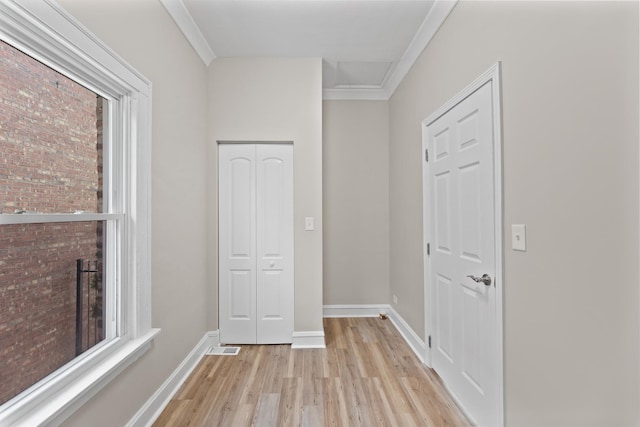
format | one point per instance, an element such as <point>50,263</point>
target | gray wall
<point>570,91</point>
<point>570,131</point>
<point>356,202</point>
<point>277,99</point>
<point>145,36</point>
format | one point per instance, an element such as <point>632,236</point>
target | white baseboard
<point>409,335</point>
<point>152,409</point>
<point>308,339</point>
<point>351,310</point>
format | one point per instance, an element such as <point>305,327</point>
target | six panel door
<point>463,317</point>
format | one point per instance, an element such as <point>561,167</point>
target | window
<point>51,275</point>
<point>74,214</point>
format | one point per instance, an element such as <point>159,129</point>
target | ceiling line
<point>432,22</point>
<point>435,18</point>
<point>183,19</point>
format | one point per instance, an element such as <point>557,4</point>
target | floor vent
<point>223,351</point>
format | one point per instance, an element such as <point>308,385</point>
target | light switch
<point>308,223</point>
<point>518,237</point>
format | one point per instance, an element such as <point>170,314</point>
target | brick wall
<point>50,162</point>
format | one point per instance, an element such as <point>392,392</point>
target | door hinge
<point>429,341</point>
<point>428,248</point>
<point>426,155</point>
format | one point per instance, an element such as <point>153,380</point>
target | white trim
<point>153,407</point>
<point>308,339</point>
<point>354,310</point>
<point>6,219</point>
<point>61,398</point>
<point>190,29</point>
<point>355,94</point>
<point>413,340</point>
<point>435,18</point>
<point>426,239</point>
<point>496,77</point>
<point>58,40</point>
<point>493,75</point>
<point>214,338</point>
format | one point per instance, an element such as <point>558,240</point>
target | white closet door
<point>255,240</point>
<point>237,243</point>
<point>275,243</point>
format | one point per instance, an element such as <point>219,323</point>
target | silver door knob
<point>272,264</point>
<point>486,279</point>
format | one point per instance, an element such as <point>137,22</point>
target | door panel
<point>443,212</point>
<point>240,295</point>
<point>237,230</point>
<point>445,317</point>
<point>469,198</point>
<point>241,207</point>
<point>275,243</point>
<point>470,362</point>
<point>462,211</point>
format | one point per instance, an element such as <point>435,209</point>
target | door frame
<point>493,76</point>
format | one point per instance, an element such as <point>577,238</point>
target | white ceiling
<point>367,46</point>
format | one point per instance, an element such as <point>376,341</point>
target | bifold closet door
<point>255,211</point>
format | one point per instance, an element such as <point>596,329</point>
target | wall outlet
<point>395,299</point>
<point>308,223</point>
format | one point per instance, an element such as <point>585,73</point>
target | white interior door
<point>255,240</point>
<point>275,244</point>
<point>462,203</point>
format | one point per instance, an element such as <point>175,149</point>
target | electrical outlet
<point>308,223</point>
<point>395,299</point>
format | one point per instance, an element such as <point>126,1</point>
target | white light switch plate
<point>308,223</point>
<point>518,237</point>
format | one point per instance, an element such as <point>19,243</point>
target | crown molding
<point>355,94</point>
<point>432,22</point>
<point>435,18</point>
<point>187,25</point>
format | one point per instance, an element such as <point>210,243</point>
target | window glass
<point>43,325</point>
<point>51,157</point>
<point>51,273</point>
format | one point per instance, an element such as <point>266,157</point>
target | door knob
<point>486,279</point>
<point>272,264</point>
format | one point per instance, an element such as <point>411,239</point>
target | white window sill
<point>67,391</point>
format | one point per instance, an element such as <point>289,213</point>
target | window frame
<point>44,31</point>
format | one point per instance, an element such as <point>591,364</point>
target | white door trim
<point>493,75</point>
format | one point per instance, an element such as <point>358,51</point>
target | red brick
<point>50,162</point>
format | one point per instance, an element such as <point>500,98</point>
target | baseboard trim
<point>413,340</point>
<point>352,310</point>
<point>308,339</point>
<point>153,407</point>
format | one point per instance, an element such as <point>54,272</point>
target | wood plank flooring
<point>367,376</point>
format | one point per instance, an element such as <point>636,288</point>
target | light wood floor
<point>367,376</point>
